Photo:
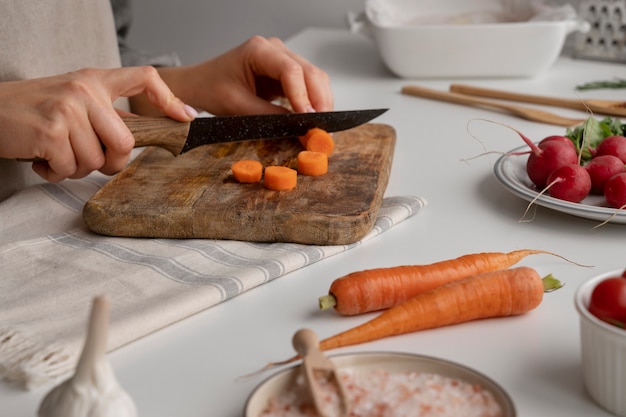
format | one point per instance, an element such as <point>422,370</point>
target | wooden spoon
<point>528,113</point>
<point>606,107</point>
<point>306,343</point>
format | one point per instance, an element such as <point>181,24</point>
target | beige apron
<point>41,38</point>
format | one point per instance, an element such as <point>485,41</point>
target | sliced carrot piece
<point>303,140</point>
<point>312,163</point>
<point>321,142</point>
<point>318,140</point>
<point>280,178</point>
<point>247,170</point>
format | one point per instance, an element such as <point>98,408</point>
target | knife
<point>179,137</point>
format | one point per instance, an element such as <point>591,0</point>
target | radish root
<point>532,202</point>
<point>486,152</point>
<point>610,218</point>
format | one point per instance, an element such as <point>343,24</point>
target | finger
<point>87,148</point>
<point>58,165</point>
<point>316,83</point>
<point>112,134</point>
<point>42,168</point>
<point>257,105</point>
<point>131,81</point>
<point>267,59</point>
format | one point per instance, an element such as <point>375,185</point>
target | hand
<point>67,119</point>
<point>247,78</point>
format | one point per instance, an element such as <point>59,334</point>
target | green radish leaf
<point>588,135</point>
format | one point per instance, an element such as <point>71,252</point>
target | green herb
<point>588,135</point>
<point>617,83</point>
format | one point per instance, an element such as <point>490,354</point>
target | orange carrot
<point>318,140</point>
<point>312,163</point>
<point>492,294</point>
<point>247,171</point>
<point>280,178</point>
<point>304,139</point>
<point>381,288</point>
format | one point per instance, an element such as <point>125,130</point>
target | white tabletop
<point>191,369</point>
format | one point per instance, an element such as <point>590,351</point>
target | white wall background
<point>199,29</point>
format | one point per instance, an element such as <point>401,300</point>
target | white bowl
<point>390,361</point>
<point>511,50</point>
<point>603,352</point>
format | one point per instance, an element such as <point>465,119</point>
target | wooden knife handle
<point>163,132</point>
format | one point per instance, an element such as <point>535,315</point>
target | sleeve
<point>122,13</point>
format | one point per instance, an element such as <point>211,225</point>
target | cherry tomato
<point>608,300</point>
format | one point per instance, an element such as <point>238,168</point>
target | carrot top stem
<point>551,284</point>
<point>327,301</point>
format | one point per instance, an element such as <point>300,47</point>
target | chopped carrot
<point>280,178</point>
<point>318,140</point>
<point>492,294</point>
<point>247,171</point>
<point>304,139</point>
<point>377,289</point>
<point>312,163</point>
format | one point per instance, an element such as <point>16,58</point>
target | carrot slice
<point>247,171</point>
<point>312,163</point>
<point>318,140</point>
<point>280,178</point>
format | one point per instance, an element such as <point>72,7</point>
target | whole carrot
<point>491,294</point>
<point>381,288</point>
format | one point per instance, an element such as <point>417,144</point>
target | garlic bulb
<point>93,391</point>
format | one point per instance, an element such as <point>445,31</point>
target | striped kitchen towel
<point>53,266</point>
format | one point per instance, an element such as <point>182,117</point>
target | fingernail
<point>191,112</point>
<point>310,109</point>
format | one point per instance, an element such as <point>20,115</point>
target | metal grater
<point>606,38</point>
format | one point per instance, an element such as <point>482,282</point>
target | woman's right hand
<point>66,120</point>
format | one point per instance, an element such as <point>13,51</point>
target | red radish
<point>570,183</point>
<point>547,157</point>
<point>613,145</point>
<point>601,168</point>
<point>615,190</point>
<point>558,138</point>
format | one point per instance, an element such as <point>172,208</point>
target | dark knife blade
<point>179,137</point>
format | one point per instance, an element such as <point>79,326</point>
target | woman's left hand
<point>248,78</point>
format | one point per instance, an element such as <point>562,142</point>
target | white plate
<point>390,361</point>
<point>510,170</point>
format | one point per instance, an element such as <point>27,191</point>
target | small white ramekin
<point>603,352</point>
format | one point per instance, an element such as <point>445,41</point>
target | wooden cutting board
<point>194,195</point>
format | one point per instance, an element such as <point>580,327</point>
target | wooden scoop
<point>606,107</point>
<point>306,343</point>
<point>528,113</point>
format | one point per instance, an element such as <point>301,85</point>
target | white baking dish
<point>454,50</point>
